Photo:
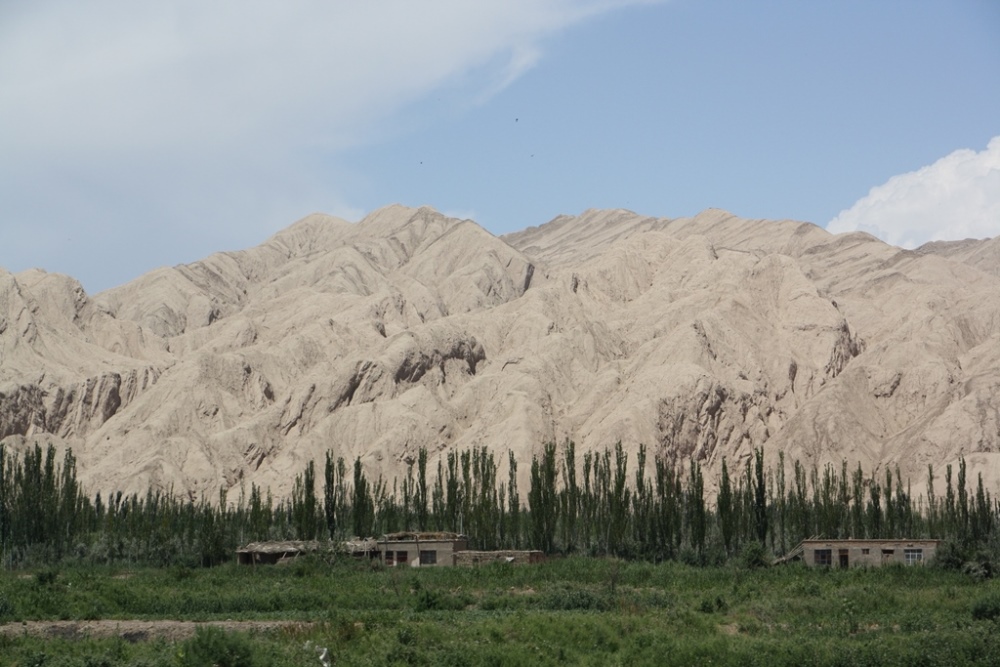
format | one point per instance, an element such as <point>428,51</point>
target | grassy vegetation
<point>567,611</point>
<point>673,602</point>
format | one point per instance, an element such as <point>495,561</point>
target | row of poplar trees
<point>596,504</point>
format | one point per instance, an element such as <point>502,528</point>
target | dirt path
<point>137,631</point>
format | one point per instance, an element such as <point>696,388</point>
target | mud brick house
<point>406,549</point>
<point>272,553</point>
<point>862,553</point>
<point>421,549</point>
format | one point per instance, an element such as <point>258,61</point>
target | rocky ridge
<point>699,337</point>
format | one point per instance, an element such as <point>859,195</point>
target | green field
<point>575,611</point>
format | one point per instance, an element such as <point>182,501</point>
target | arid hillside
<point>700,337</point>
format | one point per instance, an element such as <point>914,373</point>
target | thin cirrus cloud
<point>195,125</point>
<point>957,197</point>
<point>124,75</point>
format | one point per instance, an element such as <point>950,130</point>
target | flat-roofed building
<point>862,553</point>
<point>421,549</point>
<point>275,552</point>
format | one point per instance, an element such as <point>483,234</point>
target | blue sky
<point>136,135</point>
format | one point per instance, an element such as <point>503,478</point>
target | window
<point>388,558</point>
<point>428,557</point>
<point>823,557</point>
<point>401,557</point>
<point>913,556</point>
<point>864,552</point>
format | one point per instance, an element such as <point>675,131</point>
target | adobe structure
<point>406,549</point>
<point>421,549</point>
<point>861,553</point>
<point>272,553</point>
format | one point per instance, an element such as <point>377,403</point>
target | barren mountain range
<point>700,337</point>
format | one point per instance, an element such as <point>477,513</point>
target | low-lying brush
<point>566,611</point>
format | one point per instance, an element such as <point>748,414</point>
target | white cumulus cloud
<point>957,197</point>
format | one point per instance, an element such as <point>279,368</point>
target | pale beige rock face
<point>700,337</point>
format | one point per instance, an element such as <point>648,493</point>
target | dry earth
<point>138,631</point>
<point>700,337</point>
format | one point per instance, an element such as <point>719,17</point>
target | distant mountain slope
<point>700,337</point>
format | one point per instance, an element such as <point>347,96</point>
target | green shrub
<point>570,599</point>
<point>987,608</point>
<point>917,621</point>
<point>429,600</point>
<point>979,566</point>
<point>46,577</point>
<point>212,646</point>
<point>710,606</point>
<point>690,557</point>
<point>976,561</point>
<point>977,571</point>
<point>309,565</point>
<point>432,600</point>
<point>7,611</point>
<point>805,587</point>
<point>754,556</point>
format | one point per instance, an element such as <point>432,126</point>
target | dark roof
<point>413,536</point>
<point>871,540</point>
<point>306,546</point>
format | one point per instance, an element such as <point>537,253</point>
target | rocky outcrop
<point>22,410</point>
<point>846,348</point>
<point>71,410</point>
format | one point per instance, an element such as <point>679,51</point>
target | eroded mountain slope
<point>700,337</point>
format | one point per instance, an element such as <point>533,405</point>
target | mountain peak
<point>701,337</point>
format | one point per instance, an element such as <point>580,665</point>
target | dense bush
<point>987,608</point>
<point>218,648</point>
<point>576,599</point>
<point>572,610</point>
<point>754,556</point>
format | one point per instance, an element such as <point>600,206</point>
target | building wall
<point>867,553</point>
<point>271,552</point>
<point>421,553</point>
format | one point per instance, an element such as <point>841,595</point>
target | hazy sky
<point>138,134</point>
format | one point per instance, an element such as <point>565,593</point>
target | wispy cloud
<point>214,117</point>
<point>521,59</point>
<point>957,197</point>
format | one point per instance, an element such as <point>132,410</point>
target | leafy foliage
<point>574,610</point>
<point>597,504</point>
<point>213,646</point>
<point>987,608</point>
